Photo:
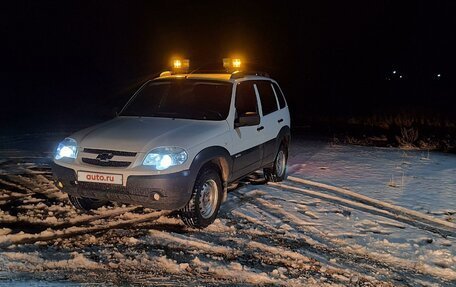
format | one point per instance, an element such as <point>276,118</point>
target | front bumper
<point>174,189</point>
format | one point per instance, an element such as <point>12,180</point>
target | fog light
<point>156,196</point>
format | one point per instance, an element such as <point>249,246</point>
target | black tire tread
<point>270,174</point>
<point>190,213</point>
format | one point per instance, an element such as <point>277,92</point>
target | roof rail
<point>241,74</point>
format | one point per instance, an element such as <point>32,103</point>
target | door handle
<point>279,121</point>
<point>260,128</point>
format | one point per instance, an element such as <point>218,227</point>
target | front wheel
<point>86,204</point>
<point>278,172</point>
<point>202,209</point>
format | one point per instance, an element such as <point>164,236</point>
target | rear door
<point>284,113</point>
<point>247,140</point>
<point>271,120</point>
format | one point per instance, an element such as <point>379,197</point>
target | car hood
<point>141,134</point>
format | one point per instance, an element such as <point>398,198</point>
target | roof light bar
<point>236,63</point>
<point>231,64</point>
<point>180,66</point>
<point>177,64</point>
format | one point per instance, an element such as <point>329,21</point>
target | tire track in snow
<point>295,237</point>
<point>367,208</point>
<point>301,262</point>
<point>287,240</point>
<point>7,196</point>
<point>14,187</point>
<point>271,254</point>
<point>179,241</point>
<point>70,222</point>
<point>281,250</point>
<point>236,272</point>
<point>246,248</point>
<point>39,186</point>
<point>234,269</point>
<point>399,210</point>
<point>333,247</point>
<point>49,235</point>
<point>29,185</point>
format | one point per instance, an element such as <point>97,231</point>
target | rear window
<point>267,97</point>
<point>280,96</point>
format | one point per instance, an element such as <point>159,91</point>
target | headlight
<point>68,148</point>
<point>164,157</point>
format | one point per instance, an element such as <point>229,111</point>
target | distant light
<point>400,77</point>
<point>438,75</point>
<point>394,72</point>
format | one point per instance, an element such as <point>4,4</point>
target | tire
<point>278,172</point>
<point>203,207</point>
<point>86,204</point>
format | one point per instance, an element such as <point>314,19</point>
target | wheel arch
<point>216,155</point>
<point>284,136</point>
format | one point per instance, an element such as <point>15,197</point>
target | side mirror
<point>247,119</point>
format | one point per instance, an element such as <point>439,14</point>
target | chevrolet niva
<point>178,143</point>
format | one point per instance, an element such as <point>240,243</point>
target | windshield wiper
<point>216,113</point>
<point>137,115</point>
<point>172,115</point>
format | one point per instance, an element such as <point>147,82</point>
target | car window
<point>280,95</point>
<point>190,99</point>
<point>246,101</point>
<point>267,97</point>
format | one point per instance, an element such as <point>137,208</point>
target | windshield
<point>181,98</point>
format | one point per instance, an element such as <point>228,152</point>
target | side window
<point>280,96</point>
<point>267,97</point>
<point>246,101</point>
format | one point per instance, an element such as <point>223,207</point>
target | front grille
<point>102,186</point>
<point>116,188</point>
<point>111,163</point>
<point>113,152</point>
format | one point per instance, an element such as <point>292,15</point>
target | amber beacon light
<point>232,64</point>
<point>180,65</point>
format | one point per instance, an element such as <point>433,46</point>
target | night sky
<point>66,62</point>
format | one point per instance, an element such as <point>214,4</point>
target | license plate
<point>99,177</point>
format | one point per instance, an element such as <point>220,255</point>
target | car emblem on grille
<point>105,157</point>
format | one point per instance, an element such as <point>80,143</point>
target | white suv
<point>178,143</point>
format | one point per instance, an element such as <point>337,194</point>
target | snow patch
<point>235,272</point>
<point>32,261</point>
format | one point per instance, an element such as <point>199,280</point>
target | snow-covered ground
<point>347,215</point>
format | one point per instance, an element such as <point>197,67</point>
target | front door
<point>247,140</point>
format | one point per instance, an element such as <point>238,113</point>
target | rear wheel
<point>278,172</point>
<point>203,207</point>
<point>86,204</point>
